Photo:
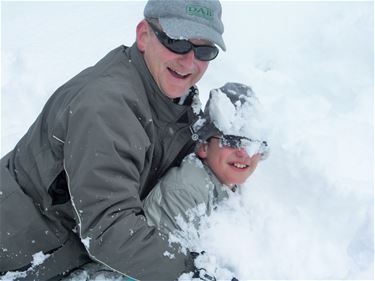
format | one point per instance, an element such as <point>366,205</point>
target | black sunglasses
<point>240,142</point>
<point>201,52</point>
<point>233,141</point>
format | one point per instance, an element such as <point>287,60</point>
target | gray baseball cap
<point>236,92</point>
<point>189,19</point>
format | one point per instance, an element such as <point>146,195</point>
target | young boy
<point>225,157</point>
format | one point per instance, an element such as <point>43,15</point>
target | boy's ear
<point>142,35</point>
<point>202,151</point>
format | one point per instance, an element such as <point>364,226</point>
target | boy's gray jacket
<point>79,174</point>
<point>182,189</point>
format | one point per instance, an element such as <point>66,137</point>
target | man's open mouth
<point>177,74</point>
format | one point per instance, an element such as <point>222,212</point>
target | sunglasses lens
<point>232,141</point>
<point>206,53</point>
<point>178,46</point>
<point>226,142</point>
<point>245,142</point>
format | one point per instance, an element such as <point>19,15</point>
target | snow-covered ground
<point>308,210</point>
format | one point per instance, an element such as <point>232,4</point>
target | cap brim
<point>186,29</point>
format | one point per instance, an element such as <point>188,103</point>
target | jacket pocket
<point>58,190</point>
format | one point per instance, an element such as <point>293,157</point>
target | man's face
<point>230,165</point>
<point>173,73</point>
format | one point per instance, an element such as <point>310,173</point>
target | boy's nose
<point>241,151</point>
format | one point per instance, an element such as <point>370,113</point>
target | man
<point>72,187</point>
<point>220,164</point>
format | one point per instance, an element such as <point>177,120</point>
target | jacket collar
<point>163,107</point>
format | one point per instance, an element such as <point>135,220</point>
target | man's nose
<point>187,59</point>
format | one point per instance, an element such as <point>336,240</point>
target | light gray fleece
<point>180,190</point>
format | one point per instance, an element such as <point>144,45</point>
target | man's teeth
<point>178,73</point>
<point>240,166</point>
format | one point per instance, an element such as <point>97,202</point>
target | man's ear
<point>142,35</point>
<point>202,151</point>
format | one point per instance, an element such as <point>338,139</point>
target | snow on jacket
<point>180,190</point>
<point>82,170</point>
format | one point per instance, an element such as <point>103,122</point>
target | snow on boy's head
<point>235,110</point>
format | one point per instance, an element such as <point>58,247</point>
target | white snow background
<point>308,210</point>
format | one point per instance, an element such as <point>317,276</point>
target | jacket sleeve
<point>178,203</point>
<point>104,153</point>
<point>174,196</point>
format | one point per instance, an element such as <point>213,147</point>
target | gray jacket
<point>180,190</point>
<point>82,170</point>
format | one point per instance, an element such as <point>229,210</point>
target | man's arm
<point>104,153</point>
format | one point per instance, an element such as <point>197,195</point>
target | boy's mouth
<point>239,165</point>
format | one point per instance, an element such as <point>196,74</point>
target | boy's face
<point>230,165</point>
